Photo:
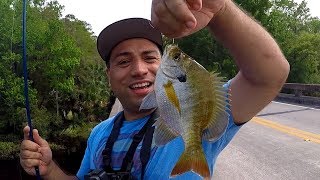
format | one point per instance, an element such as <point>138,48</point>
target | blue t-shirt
<point>162,159</point>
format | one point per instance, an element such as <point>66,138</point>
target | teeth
<point>140,85</point>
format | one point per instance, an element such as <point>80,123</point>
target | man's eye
<point>150,58</point>
<point>123,62</point>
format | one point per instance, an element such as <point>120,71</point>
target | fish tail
<point>192,161</point>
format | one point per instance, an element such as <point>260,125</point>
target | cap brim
<point>125,29</point>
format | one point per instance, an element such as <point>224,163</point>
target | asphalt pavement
<point>275,152</point>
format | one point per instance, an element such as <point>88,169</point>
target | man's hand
<point>34,154</point>
<point>179,18</point>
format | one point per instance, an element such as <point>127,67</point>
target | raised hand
<point>178,18</point>
<point>34,154</point>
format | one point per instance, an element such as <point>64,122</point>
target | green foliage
<point>44,120</point>
<point>12,98</point>
<point>208,52</point>
<point>75,134</point>
<point>78,131</point>
<point>9,150</point>
<point>65,74</point>
<point>304,57</point>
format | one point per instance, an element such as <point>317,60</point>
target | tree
<point>67,86</point>
<point>303,56</point>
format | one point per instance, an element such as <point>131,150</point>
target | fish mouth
<point>167,68</point>
<point>141,85</point>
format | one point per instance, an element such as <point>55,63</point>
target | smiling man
<point>132,69</point>
<point>122,146</point>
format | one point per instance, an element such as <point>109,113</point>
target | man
<point>132,50</point>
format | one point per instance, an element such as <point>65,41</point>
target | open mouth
<point>140,85</point>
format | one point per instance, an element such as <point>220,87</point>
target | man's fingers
<point>38,139</point>
<point>36,136</point>
<point>180,11</point>
<point>26,154</point>
<point>167,30</point>
<point>194,4</point>
<point>26,131</point>
<point>29,146</point>
<point>29,163</point>
<point>166,21</point>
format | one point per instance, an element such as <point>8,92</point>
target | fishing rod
<point>25,75</point>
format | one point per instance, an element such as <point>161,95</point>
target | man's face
<point>133,67</point>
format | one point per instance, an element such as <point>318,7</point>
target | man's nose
<point>139,68</point>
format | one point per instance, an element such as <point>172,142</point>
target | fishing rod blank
<point>25,75</point>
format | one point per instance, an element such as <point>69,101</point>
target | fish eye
<point>176,56</point>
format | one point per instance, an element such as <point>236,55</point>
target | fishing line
<point>25,75</point>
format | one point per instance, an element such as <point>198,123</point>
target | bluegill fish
<point>192,104</point>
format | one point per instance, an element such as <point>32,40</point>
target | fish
<point>191,103</point>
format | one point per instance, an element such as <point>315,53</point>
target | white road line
<point>296,105</point>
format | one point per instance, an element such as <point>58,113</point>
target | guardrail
<point>306,94</point>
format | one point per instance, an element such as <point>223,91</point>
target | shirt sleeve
<point>85,163</point>
<point>98,133</point>
<point>232,128</point>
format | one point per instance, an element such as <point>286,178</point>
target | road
<point>282,142</point>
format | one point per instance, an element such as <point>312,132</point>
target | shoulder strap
<point>145,150</point>
<point>146,131</point>
<point>137,138</point>
<point>106,153</point>
<point>146,145</point>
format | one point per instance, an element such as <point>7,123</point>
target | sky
<point>100,13</point>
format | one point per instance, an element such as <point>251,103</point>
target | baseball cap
<point>125,29</point>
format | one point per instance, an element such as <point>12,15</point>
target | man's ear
<point>107,72</point>
<point>108,75</point>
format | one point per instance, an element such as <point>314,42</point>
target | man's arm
<point>56,173</point>
<point>262,67</point>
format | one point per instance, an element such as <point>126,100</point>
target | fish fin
<point>220,119</point>
<point>172,95</point>
<point>163,134</point>
<point>216,130</point>
<point>192,161</point>
<point>149,102</point>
